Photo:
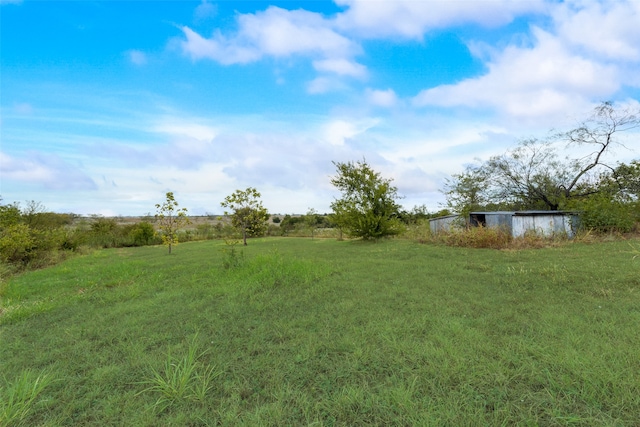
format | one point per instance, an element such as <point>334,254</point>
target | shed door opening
<point>478,220</point>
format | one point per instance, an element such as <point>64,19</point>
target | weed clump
<point>233,257</point>
<point>17,399</point>
<point>181,379</point>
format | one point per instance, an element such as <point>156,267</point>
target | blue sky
<point>107,105</point>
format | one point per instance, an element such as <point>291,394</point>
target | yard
<point>292,331</point>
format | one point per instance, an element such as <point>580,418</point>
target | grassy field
<point>325,333</point>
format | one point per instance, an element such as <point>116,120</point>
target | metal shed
<point>546,223</point>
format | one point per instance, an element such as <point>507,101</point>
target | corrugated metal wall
<point>547,225</point>
<point>445,223</point>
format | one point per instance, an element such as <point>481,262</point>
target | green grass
<point>326,333</point>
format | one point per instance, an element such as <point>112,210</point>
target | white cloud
<point>609,29</point>
<point>185,128</point>
<point>411,19</point>
<point>218,48</point>
<point>23,108</point>
<point>547,79</point>
<point>204,11</point>
<point>589,53</point>
<point>324,84</point>
<point>340,66</point>
<point>337,132</point>
<point>137,57</point>
<point>381,98</point>
<point>47,171</point>
<point>274,32</point>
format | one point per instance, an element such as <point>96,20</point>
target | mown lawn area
<point>320,332</point>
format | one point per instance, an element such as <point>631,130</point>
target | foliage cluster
<point>368,207</point>
<point>33,237</point>
<point>299,225</point>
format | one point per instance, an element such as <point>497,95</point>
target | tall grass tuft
<point>18,398</point>
<point>233,257</point>
<point>181,379</point>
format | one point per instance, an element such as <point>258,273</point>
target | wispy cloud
<point>23,108</point>
<point>382,98</point>
<point>137,57</point>
<point>205,11</point>
<point>45,170</point>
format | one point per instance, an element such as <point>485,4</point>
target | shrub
<point>601,214</point>
<point>17,244</point>
<point>142,233</point>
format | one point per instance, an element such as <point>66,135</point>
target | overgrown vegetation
<point>322,332</point>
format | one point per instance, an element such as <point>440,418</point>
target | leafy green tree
<point>170,219</point>
<point>367,208</point>
<point>467,191</point>
<point>626,180</point>
<point>248,215</point>
<point>290,223</point>
<point>312,220</point>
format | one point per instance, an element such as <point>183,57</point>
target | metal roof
<point>523,213</point>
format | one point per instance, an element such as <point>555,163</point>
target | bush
<point>17,244</point>
<point>23,246</point>
<point>601,214</point>
<point>142,233</point>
